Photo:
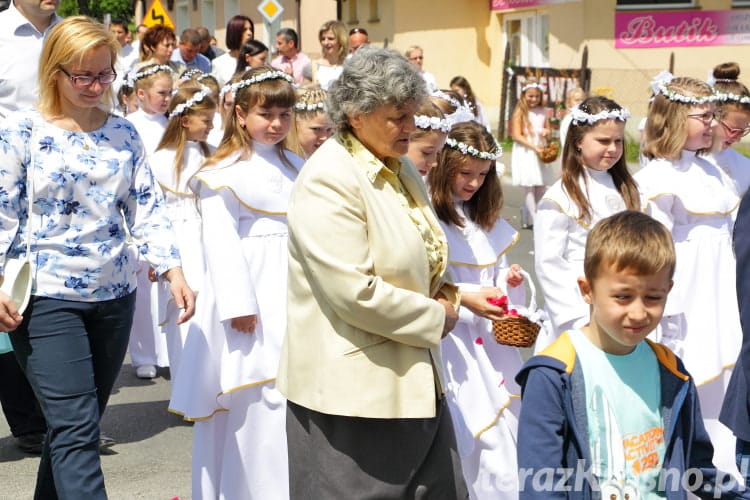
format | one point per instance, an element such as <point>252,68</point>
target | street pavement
<point>151,459</point>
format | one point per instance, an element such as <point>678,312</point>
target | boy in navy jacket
<point>606,413</point>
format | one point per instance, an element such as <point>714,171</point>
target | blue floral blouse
<point>90,191</point>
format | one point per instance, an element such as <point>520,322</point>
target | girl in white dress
<point>312,125</point>
<point>529,128</point>
<point>688,194</point>
<point>479,372</point>
<point>428,139</point>
<point>733,123</point>
<point>180,154</point>
<point>239,448</point>
<point>595,184</point>
<point>148,346</point>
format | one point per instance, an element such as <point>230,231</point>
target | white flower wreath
<point>197,97</point>
<point>151,70</point>
<point>472,151</point>
<point>313,106</point>
<point>462,111</point>
<point>579,116</point>
<point>432,122</point>
<point>659,86</point>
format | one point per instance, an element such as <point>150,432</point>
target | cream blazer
<point>363,332</point>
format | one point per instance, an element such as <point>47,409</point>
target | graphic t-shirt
<point>623,408</point>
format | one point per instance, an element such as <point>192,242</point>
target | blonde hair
<point>69,42</point>
<point>340,32</point>
<point>175,135</point>
<point>147,81</point>
<point>307,98</point>
<point>272,92</point>
<point>522,107</point>
<point>629,240</point>
<point>666,127</point>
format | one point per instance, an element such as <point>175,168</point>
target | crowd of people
<point>316,250</point>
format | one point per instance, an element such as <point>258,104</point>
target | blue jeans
<point>71,353</point>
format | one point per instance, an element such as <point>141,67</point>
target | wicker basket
<point>549,153</point>
<point>518,331</point>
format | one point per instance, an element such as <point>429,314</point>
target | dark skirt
<point>335,457</point>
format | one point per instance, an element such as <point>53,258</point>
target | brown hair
<point>629,240</point>
<point>666,126</point>
<point>273,92</point>
<point>573,167</point>
<point>484,207</point>
<point>175,135</point>
<point>153,37</point>
<point>430,109</point>
<point>726,75</point>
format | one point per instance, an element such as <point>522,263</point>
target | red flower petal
<point>479,341</point>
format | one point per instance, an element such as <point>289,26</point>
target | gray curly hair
<point>371,78</point>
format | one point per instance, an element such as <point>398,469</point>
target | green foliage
<point>118,9</point>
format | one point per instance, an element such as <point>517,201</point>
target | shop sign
<point>692,28</point>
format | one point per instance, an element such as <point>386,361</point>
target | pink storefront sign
<point>692,28</point>
<point>518,4</point>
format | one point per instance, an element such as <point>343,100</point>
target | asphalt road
<point>151,459</point>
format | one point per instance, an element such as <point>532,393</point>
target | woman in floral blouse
<point>84,171</point>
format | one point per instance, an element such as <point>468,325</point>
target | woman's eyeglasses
<point>734,133</point>
<point>706,117</point>
<point>83,81</point>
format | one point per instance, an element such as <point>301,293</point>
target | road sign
<point>270,10</point>
<point>156,14</point>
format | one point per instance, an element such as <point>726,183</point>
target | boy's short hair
<point>629,240</point>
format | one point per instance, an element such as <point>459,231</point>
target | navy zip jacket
<point>554,460</point>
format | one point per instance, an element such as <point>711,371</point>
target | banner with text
<point>520,4</point>
<point>692,28</point>
<point>555,84</point>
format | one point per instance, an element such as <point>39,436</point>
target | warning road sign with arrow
<point>156,14</point>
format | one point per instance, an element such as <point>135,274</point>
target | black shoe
<point>105,441</point>
<point>31,443</point>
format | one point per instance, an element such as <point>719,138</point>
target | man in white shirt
<point>127,56</point>
<point>188,51</point>
<point>415,54</point>
<point>23,27</point>
<point>290,59</point>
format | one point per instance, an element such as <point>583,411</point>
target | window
<point>655,4</point>
<point>740,3</point>
<point>353,17</point>
<point>374,12</point>
<point>529,39</point>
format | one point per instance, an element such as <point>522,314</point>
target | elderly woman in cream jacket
<point>368,303</point>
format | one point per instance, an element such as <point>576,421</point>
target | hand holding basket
<point>521,325</point>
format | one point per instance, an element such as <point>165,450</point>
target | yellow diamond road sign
<point>270,10</point>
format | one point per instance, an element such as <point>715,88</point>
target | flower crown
<point>579,116</point>
<point>189,73</point>
<point>268,75</point>
<point>432,123</point>
<point>311,106</point>
<point>472,151</point>
<point>532,85</point>
<point>195,98</point>
<point>151,70</point>
<point>728,96</point>
<point>462,111</point>
<point>659,86</point>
